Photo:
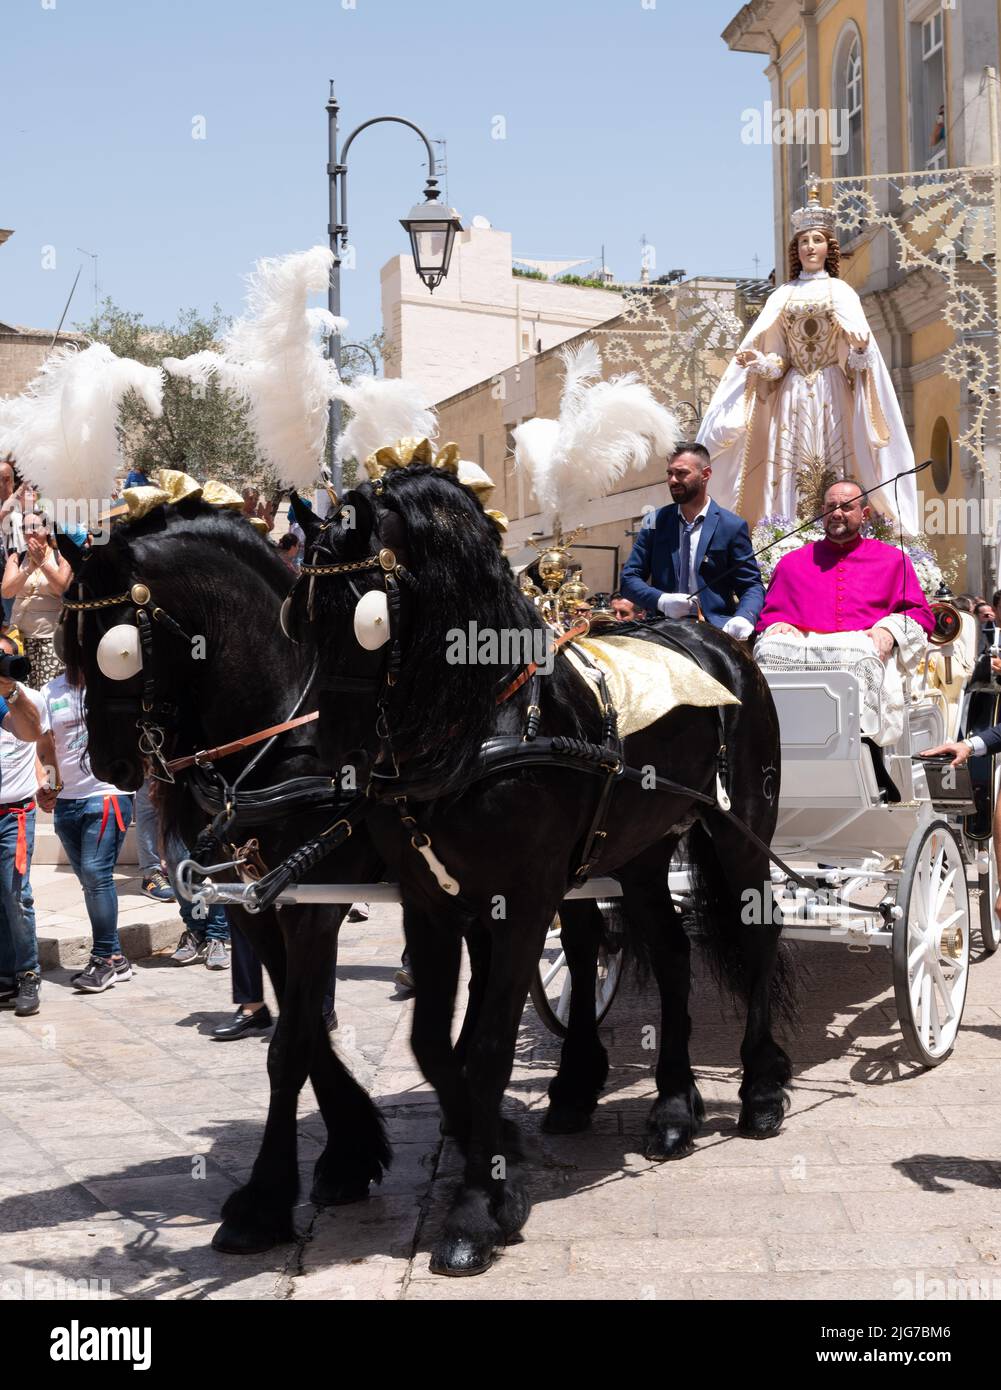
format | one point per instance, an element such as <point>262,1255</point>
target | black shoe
<point>242,1023</point>
<point>99,975</point>
<point>404,982</point>
<point>27,994</point>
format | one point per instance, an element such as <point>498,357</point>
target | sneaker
<point>217,957</point>
<point>157,886</point>
<point>27,995</point>
<point>358,913</point>
<point>190,949</point>
<point>98,976</point>
<point>123,970</point>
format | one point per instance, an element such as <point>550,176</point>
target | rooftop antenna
<point>93,257</point>
<point>757,264</point>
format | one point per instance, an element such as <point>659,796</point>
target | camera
<point>14,668</point>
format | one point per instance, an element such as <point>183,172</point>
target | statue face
<point>845,512</point>
<point>812,247</point>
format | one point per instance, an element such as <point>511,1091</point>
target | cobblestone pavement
<point>123,1127</point>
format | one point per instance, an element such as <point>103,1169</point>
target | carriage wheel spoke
<point>554,970</point>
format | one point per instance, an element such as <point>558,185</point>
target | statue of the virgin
<point>807,398</point>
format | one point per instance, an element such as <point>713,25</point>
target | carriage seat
<point>825,760</point>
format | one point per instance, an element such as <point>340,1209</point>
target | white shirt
<point>64,715</point>
<point>17,758</point>
<point>694,529</point>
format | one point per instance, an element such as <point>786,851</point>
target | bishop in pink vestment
<point>827,587</point>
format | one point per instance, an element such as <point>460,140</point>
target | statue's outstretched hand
<point>859,341</point>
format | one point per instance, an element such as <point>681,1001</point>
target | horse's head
<point>110,647</point>
<point>402,565</point>
<point>150,619</point>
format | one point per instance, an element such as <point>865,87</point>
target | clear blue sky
<point>621,121</point>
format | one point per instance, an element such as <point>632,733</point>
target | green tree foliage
<point>203,430</point>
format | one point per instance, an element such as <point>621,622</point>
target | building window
<point>928,89</point>
<point>848,103</point>
<point>941,454</point>
<point>799,173</point>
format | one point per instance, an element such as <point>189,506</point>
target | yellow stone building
<point>879,87</point>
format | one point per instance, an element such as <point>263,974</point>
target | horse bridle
<point>155,716</point>
<point>393,573</point>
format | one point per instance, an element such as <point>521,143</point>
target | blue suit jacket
<point>992,737</point>
<point>724,562</point>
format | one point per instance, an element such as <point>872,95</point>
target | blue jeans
<point>214,927</point>
<point>18,942</point>
<point>147,832</point>
<point>93,856</point>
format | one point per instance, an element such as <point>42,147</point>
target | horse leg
<point>356,1153</point>
<point>677,1114</point>
<point>492,1202</point>
<point>767,1069</point>
<point>583,1069</point>
<point>478,946</point>
<point>435,955</point>
<point>747,952</point>
<point>258,1215</point>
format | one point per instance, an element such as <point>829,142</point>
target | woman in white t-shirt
<point>91,819</point>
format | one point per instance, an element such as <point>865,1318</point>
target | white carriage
<point>891,875</point>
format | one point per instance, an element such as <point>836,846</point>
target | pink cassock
<point>844,588</point>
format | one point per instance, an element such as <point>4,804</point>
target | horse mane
<point>442,712</point>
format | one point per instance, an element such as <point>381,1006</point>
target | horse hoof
<point>326,1192</point>
<point>459,1257</point>
<point>665,1145</point>
<point>566,1119</point>
<point>230,1239</point>
<point>762,1121</point>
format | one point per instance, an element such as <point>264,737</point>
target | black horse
<point>218,668</point>
<point>491,857</point>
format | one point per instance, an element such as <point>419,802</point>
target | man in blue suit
<point>694,545</point>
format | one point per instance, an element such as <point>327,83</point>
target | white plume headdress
<point>63,430</point>
<point>383,410</point>
<point>604,428</point>
<point>273,358</point>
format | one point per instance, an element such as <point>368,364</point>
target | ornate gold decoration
<point>407,451</point>
<point>172,486</point>
<point>940,223</point>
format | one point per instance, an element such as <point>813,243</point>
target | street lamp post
<point>431,226</point>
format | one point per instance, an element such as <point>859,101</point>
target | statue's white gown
<point>808,402</point>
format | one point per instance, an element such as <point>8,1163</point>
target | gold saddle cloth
<point>645,681</point>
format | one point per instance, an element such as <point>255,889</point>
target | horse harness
<point>227,803</point>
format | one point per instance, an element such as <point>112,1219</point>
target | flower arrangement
<point>771,531</point>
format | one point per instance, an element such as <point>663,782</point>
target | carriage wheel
<point>550,991</point>
<point>931,943</point>
<point>990,923</point>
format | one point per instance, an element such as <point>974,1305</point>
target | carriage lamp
<point>432,228</point>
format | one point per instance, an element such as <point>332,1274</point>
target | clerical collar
<point>813,275</point>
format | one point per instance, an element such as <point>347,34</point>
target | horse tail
<point>719,915</point>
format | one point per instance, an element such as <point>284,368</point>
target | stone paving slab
<point>123,1126</point>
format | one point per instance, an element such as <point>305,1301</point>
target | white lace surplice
<point>882,684</point>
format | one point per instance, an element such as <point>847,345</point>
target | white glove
<point>675,605</point>
<point>738,627</point>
